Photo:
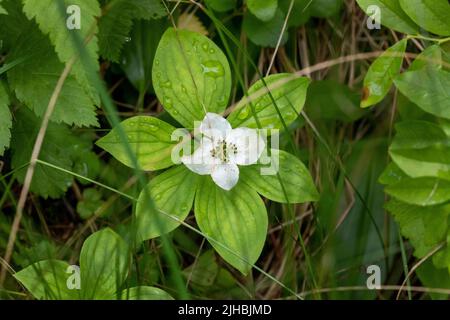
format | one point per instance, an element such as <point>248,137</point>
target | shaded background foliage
<point>348,149</point>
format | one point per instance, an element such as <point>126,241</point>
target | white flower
<point>222,149</point>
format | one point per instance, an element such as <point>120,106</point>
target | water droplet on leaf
<point>213,68</point>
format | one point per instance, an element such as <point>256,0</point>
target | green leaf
<point>139,52</point>
<point>265,33</point>
<point>91,201</point>
<point>428,88</point>
<point>392,174</point>
<point>263,9</point>
<point>104,260</point>
<point>432,15</point>
<point>300,12</point>
<point>421,191</point>
<point>237,219</point>
<point>433,277</point>
<point>221,5</point>
<point>330,100</point>
<point>5,119</point>
<point>380,76</point>
<point>149,139</point>
<point>425,227</point>
<point>117,20</point>
<point>53,21</point>
<point>59,148</point>
<point>289,94</point>
<point>325,8</point>
<point>173,192</point>
<point>47,280</point>
<point>297,183</point>
<point>433,56</point>
<point>34,81</point>
<point>191,76</point>
<point>204,270</point>
<point>392,15</point>
<point>421,149</point>
<point>145,293</point>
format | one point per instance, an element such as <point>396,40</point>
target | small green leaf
<point>425,227</point>
<point>392,15</point>
<point>428,88</point>
<point>431,57</point>
<point>432,15</point>
<point>289,94</point>
<point>237,219</point>
<point>297,184</point>
<point>263,9</point>
<point>145,293</point>
<point>265,33</point>
<point>221,5</point>
<point>149,139</point>
<point>104,260</point>
<point>191,76</point>
<point>421,191</point>
<point>5,119</point>
<point>59,148</point>
<point>91,201</point>
<point>300,12</point>
<point>173,192</point>
<point>117,20</point>
<point>379,77</point>
<point>47,280</point>
<point>421,149</point>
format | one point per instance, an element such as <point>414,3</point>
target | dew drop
<point>157,62</point>
<point>183,88</point>
<point>205,46</point>
<point>127,39</point>
<point>211,51</point>
<point>157,197</point>
<point>153,128</point>
<point>166,84</point>
<point>167,102</point>
<point>213,68</point>
<point>243,114</point>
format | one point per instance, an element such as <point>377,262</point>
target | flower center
<point>222,150</point>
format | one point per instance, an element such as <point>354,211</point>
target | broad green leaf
<point>392,15</point>
<point>330,100</point>
<point>421,149</point>
<point>5,119</point>
<point>138,53</point>
<point>104,260</point>
<point>235,219</point>
<point>325,8</point>
<point>421,191</point>
<point>263,9</point>
<point>265,33</point>
<point>432,15</point>
<point>149,139</point>
<point>289,94</point>
<point>221,5</point>
<point>428,88</point>
<point>60,148</point>
<point>47,280</point>
<point>296,182</point>
<point>173,192</point>
<point>117,20</point>
<point>425,227</point>
<point>191,76</point>
<point>145,293</point>
<point>379,77</point>
<point>13,24</point>
<point>52,19</point>
<point>34,81</point>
